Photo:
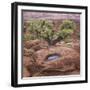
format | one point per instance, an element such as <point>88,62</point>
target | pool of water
<point>53,57</point>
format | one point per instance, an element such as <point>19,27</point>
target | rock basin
<point>53,57</point>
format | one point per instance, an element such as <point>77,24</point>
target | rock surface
<point>36,64</point>
<point>26,73</point>
<point>68,55</point>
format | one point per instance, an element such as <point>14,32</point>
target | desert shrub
<point>47,33</point>
<point>68,24</point>
<point>42,29</point>
<point>65,33</point>
<point>35,28</point>
<point>27,37</point>
<point>66,29</point>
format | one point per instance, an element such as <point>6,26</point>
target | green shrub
<point>27,37</point>
<point>68,24</point>
<point>42,29</point>
<point>66,29</point>
<point>65,33</point>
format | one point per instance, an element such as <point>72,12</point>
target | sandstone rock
<point>27,61</point>
<point>36,44</point>
<point>67,64</point>
<point>28,52</point>
<point>75,45</point>
<point>26,73</point>
<point>69,61</point>
<point>29,44</point>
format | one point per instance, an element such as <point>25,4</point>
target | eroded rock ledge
<point>35,62</point>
